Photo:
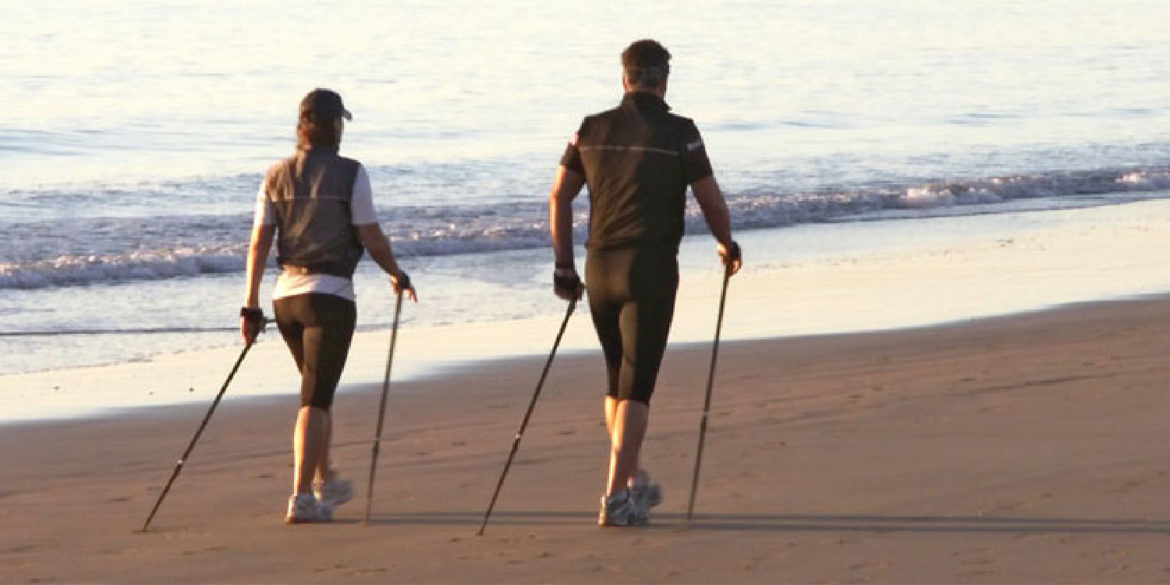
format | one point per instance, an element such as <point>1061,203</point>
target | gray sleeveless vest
<point>311,192</point>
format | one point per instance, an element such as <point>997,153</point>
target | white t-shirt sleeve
<point>264,214</point>
<point>361,206</point>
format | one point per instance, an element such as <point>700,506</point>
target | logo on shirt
<point>693,146</point>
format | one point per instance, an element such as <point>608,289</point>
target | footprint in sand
<point>874,566</point>
<point>1006,506</point>
<point>978,562</point>
<point>216,548</point>
<point>334,567</point>
<point>1126,486</point>
<point>361,572</point>
<point>978,573</point>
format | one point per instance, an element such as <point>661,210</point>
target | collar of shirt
<point>644,100</point>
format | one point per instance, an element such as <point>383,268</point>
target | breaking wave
<point>85,251</point>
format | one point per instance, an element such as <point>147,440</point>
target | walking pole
<point>203,425</point>
<point>707,399</point>
<point>382,408</point>
<point>527,415</point>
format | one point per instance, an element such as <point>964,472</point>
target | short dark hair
<point>646,63</point>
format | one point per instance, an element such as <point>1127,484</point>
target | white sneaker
<point>333,491</point>
<point>304,508</point>
<point>621,509</point>
<point>645,494</point>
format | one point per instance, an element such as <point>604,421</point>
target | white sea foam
<point>118,249</point>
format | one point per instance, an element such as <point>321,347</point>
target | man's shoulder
<point>681,121</point>
<point>602,115</point>
<point>592,126</point>
<point>616,115</point>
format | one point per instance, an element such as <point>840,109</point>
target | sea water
<point>856,141</point>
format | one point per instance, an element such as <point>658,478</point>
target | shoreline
<point>1026,448</point>
<point>807,279</point>
<point>428,367</point>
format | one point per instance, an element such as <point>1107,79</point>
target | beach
<point>944,360</point>
<point>1022,448</point>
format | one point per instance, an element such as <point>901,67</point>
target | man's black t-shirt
<point>637,160</point>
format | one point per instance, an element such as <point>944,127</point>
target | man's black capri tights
<point>631,299</point>
<point>317,329</point>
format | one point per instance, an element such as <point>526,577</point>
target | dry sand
<point>1031,448</point>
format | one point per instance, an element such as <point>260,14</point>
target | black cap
<point>323,104</point>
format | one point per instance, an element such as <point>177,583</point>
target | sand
<point>1030,448</point>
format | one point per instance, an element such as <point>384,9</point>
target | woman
<point>319,207</point>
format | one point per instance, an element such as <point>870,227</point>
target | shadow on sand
<point>803,522</point>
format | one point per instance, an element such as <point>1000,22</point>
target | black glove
<point>253,323</point>
<point>403,282</point>
<point>734,254</point>
<point>566,283</point>
<point>253,316</point>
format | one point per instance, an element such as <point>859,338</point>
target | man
<point>638,160</point>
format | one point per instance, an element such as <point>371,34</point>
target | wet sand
<point>1029,448</point>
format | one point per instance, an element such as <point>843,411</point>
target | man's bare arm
<point>718,218</point>
<point>566,185</point>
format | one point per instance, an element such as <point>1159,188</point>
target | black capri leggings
<point>631,298</point>
<point>317,329</point>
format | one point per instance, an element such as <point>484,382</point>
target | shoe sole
<point>292,520</point>
<point>627,525</point>
<point>631,522</point>
<point>313,520</point>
